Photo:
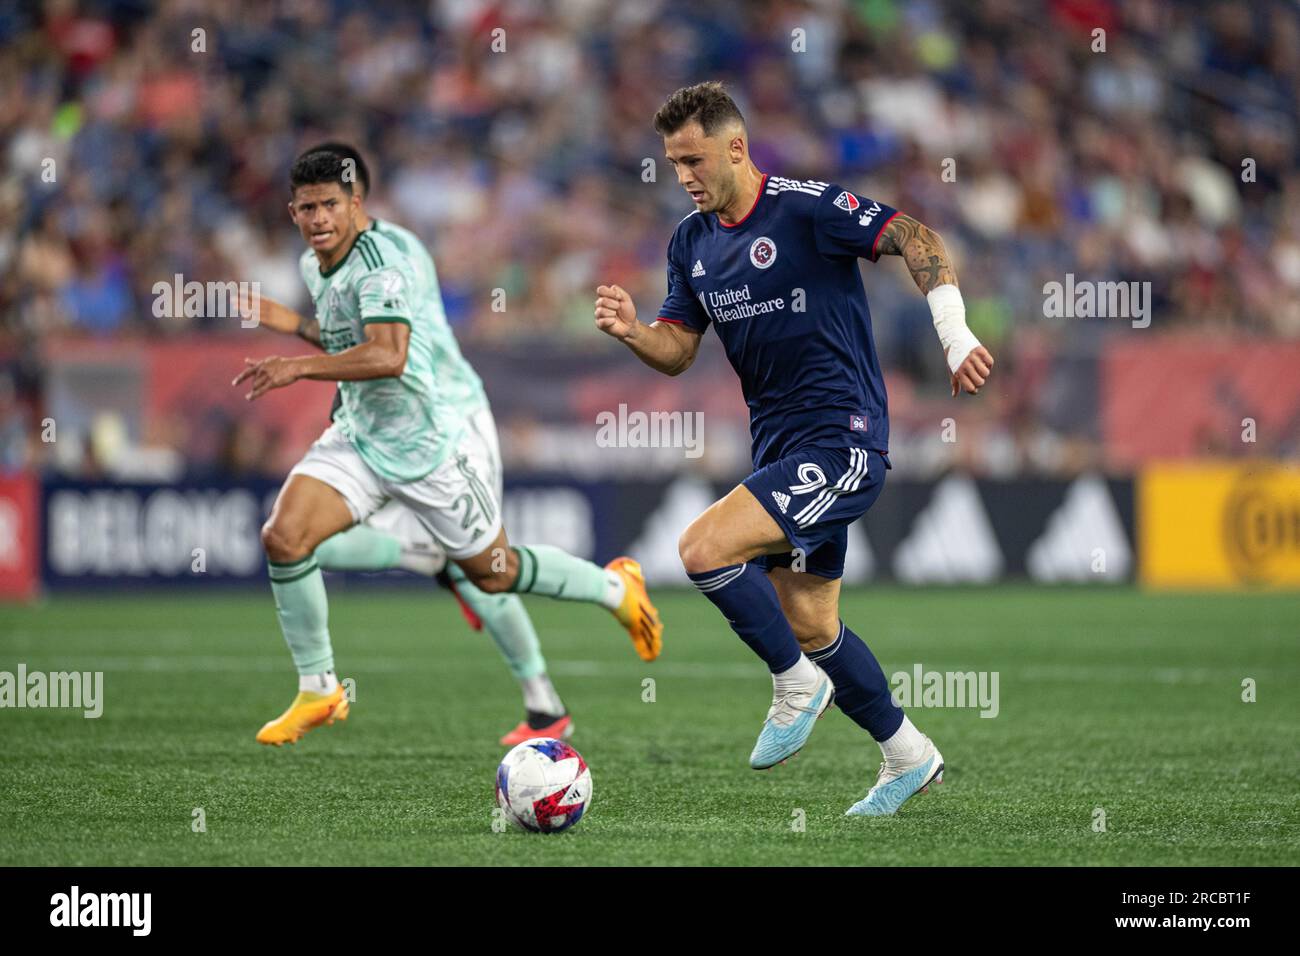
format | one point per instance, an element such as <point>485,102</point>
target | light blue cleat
<point>896,784</point>
<point>790,721</point>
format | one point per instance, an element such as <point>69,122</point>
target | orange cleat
<point>539,725</point>
<point>636,613</point>
<point>308,710</point>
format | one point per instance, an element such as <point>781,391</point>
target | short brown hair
<point>706,103</point>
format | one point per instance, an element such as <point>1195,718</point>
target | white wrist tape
<point>950,322</point>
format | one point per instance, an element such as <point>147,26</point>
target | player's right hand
<point>268,373</point>
<point>615,313</point>
<point>973,372</point>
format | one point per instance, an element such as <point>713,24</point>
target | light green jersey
<point>460,384</point>
<point>402,427</point>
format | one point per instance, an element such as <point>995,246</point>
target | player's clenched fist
<point>973,372</point>
<point>615,313</point>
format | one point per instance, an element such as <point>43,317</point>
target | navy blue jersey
<point>782,290</point>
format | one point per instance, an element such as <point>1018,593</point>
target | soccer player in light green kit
<point>407,431</point>
<point>393,537</point>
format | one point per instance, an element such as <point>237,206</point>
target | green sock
<point>507,620</point>
<point>300,601</point>
<point>554,573</point>
<point>360,548</point>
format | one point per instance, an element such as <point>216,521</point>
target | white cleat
<point>790,721</point>
<point>896,783</point>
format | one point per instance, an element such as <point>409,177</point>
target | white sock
<point>802,674</point>
<point>318,683</point>
<point>905,746</point>
<point>540,696</point>
<point>615,590</point>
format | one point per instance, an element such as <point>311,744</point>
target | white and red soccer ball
<point>543,785</point>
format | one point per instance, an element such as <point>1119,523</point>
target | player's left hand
<point>973,371</point>
<point>266,374</point>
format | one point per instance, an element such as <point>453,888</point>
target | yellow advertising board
<point>1206,525</point>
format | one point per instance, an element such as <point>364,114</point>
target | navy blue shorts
<point>814,494</point>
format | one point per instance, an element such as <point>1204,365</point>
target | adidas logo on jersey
<point>698,270</point>
<point>782,500</point>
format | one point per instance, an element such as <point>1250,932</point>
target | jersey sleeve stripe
<point>673,321</point>
<point>794,189</point>
<point>780,184</point>
<point>386,318</point>
<point>373,248</point>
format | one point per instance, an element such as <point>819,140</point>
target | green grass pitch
<point>1110,699</point>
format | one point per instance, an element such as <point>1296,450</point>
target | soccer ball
<point>543,785</point>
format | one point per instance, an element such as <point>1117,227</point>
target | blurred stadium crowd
<point>171,127</point>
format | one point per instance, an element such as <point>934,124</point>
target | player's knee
<point>489,581</point>
<point>494,571</point>
<point>814,631</point>
<point>283,542</point>
<point>698,551</point>
<point>815,638</point>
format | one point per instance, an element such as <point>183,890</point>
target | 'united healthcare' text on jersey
<point>782,290</point>
<point>402,427</point>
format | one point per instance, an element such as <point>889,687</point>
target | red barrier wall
<point>1182,397</point>
<point>19,537</point>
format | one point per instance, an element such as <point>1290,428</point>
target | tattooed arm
<point>921,248</point>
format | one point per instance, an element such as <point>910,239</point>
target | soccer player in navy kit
<point>771,263</point>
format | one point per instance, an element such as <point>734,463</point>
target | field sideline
<point>1109,699</point>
